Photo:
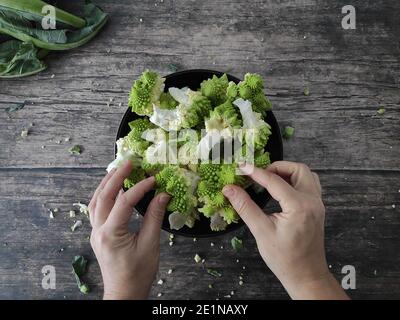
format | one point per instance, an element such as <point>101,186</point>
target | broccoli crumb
<point>170,271</point>
<point>24,133</point>
<point>240,283</point>
<point>75,150</point>
<point>197,258</point>
<point>76,225</point>
<point>306,91</point>
<point>160,282</point>
<point>210,286</point>
<point>159,294</point>
<point>381,111</point>
<point>288,132</point>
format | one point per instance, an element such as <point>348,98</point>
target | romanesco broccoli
<point>146,91</point>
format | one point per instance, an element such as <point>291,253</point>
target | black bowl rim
<point>233,227</point>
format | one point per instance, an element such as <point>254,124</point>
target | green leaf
<point>16,24</point>
<point>214,273</point>
<point>33,8</point>
<point>19,59</point>
<point>79,265</point>
<point>288,132</point>
<point>237,244</point>
<point>16,107</point>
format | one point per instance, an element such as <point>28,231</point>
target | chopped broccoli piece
<point>381,111</point>
<point>215,89</point>
<point>288,132</point>
<point>237,244</point>
<point>146,91</point>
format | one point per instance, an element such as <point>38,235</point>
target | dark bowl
<point>192,79</point>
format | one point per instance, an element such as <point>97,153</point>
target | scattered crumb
<point>381,111</point>
<point>61,250</point>
<point>197,258</point>
<point>244,267</point>
<point>222,247</point>
<point>141,20</point>
<point>52,76</point>
<point>159,294</point>
<point>393,206</point>
<point>240,283</point>
<point>171,243</point>
<point>203,260</point>
<point>194,239</point>
<point>120,104</point>
<point>373,218</point>
<point>240,278</point>
<point>232,293</point>
<point>24,133</point>
<point>330,266</point>
<point>210,286</point>
<point>306,91</point>
<point>170,271</point>
<point>212,244</point>
<point>83,208</point>
<point>66,139</point>
<point>237,260</point>
<point>375,272</point>
<point>227,296</point>
<point>43,147</point>
<point>72,214</point>
<point>51,215</point>
<point>55,210</point>
<point>76,225</point>
<point>160,282</point>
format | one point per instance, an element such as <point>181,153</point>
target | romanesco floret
<point>134,139</point>
<point>213,177</point>
<point>215,89</point>
<point>181,184</point>
<point>252,89</point>
<point>167,102</point>
<point>137,175</point>
<point>146,91</point>
<point>257,130</point>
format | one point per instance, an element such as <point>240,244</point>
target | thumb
<point>149,233</point>
<point>248,210</point>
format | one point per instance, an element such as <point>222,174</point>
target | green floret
<point>167,101</point>
<point>232,91</point>
<point>181,184</point>
<point>198,108</point>
<point>251,88</point>
<point>136,176</point>
<point>135,141</point>
<point>146,91</point>
<point>213,177</point>
<point>257,130</point>
<point>224,116</point>
<point>215,89</point>
<point>262,159</point>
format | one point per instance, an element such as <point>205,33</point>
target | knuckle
<point>303,167</point>
<point>103,197</point>
<point>100,239</point>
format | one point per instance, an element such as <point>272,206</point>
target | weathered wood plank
<point>293,44</point>
<point>361,230</point>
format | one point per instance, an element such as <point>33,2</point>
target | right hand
<point>290,242</point>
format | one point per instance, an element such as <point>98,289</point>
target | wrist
<point>321,286</point>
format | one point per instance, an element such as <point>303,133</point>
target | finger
<point>92,203</point>
<point>316,178</point>
<point>248,210</point>
<point>299,174</point>
<point>122,211</point>
<point>149,234</point>
<point>277,187</point>
<point>106,198</point>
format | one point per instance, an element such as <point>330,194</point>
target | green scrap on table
<point>237,244</point>
<point>79,266</point>
<point>288,132</point>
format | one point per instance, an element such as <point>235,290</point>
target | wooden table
<point>294,45</point>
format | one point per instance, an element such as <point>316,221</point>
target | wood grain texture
<point>293,44</point>
<point>361,230</point>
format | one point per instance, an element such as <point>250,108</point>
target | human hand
<point>128,261</point>
<point>290,242</point>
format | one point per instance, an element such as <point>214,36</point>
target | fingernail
<point>228,191</point>
<point>164,198</point>
<point>246,168</point>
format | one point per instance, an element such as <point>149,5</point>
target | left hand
<point>128,261</point>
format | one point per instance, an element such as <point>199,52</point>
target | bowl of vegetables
<point>172,129</point>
